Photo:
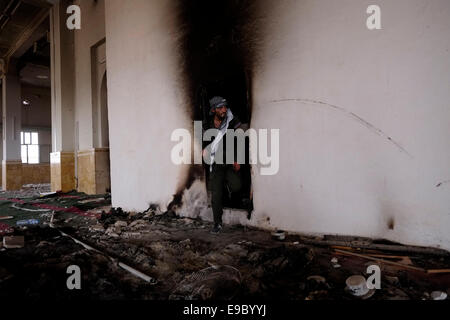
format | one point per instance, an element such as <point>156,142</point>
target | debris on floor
<point>279,235</point>
<point>159,255</point>
<point>357,286</point>
<point>335,263</point>
<point>438,295</point>
<point>13,242</point>
<point>216,282</point>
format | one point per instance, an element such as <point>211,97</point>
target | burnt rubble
<point>154,255</point>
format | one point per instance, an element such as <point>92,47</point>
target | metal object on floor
<point>216,282</point>
<point>122,265</point>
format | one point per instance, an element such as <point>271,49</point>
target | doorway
<point>218,52</point>
<point>234,88</point>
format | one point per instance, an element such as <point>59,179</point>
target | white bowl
<point>357,286</point>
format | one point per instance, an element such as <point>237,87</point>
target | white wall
<point>337,173</point>
<point>366,141</point>
<point>38,113</point>
<point>144,103</point>
<point>92,31</point>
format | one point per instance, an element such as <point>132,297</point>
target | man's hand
<point>236,167</point>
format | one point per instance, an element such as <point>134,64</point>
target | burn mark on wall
<point>442,183</point>
<point>353,116</point>
<point>175,203</point>
<point>218,43</point>
<point>391,223</point>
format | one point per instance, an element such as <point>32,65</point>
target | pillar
<point>11,111</point>
<point>62,158</point>
<point>93,160</point>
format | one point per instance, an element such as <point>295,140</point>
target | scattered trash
<point>397,294</point>
<point>121,224</point>
<point>113,215</point>
<point>279,235</point>
<point>137,224</point>
<point>314,284</point>
<point>99,211</point>
<point>91,200</point>
<point>137,273</point>
<point>379,260</point>
<point>438,295</point>
<point>188,221</point>
<point>357,286</point>
<point>235,250</point>
<point>392,280</point>
<point>159,245</point>
<point>318,279</point>
<point>43,244</point>
<point>317,295</point>
<point>52,219</point>
<point>131,234</point>
<point>48,194</point>
<point>109,230</point>
<point>186,242</point>
<point>216,282</point>
<point>438,271</point>
<point>97,227</point>
<point>14,242</point>
<point>335,263</point>
<point>29,210</point>
<point>68,220</point>
<point>27,222</point>
<point>120,264</point>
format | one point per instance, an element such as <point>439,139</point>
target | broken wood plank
<point>373,246</point>
<point>343,248</point>
<point>114,260</point>
<point>356,249</point>
<point>380,260</point>
<point>406,260</point>
<point>434,271</point>
<point>386,256</point>
<point>403,259</point>
<point>14,242</point>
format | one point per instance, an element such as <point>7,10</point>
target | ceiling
<point>24,26</point>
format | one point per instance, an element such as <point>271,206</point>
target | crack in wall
<point>353,116</point>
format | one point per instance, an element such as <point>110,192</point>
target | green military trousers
<point>222,176</point>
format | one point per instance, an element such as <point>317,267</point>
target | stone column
<point>62,158</point>
<point>94,163</point>
<point>11,109</point>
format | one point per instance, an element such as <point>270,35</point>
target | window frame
<point>23,143</point>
